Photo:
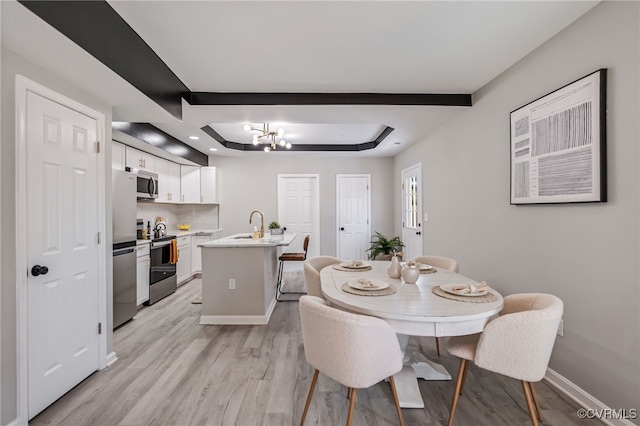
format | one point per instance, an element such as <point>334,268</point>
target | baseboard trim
<point>111,358</point>
<point>239,319</point>
<point>584,398</point>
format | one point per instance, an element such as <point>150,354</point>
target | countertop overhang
<point>240,240</point>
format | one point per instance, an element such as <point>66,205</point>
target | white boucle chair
<point>355,350</point>
<point>439,262</point>
<point>517,344</point>
<point>312,268</point>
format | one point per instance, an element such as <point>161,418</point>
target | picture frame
<point>558,145</point>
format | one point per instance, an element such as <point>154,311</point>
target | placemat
<point>431,270</point>
<point>339,267</point>
<point>489,297</point>
<point>384,292</point>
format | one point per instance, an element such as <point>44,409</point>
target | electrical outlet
<point>561,328</point>
<point>232,284</point>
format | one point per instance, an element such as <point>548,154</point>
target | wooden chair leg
<point>534,395</point>
<point>309,396</point>
<point>352,403</point>
<point>527,397</point>
<point>457,391</point>
<point>395,399</point>
<point>464,376</point>
<point>438,345</point>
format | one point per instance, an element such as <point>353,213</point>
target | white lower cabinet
<point>184,258</point>
<point>196,256</point>
<point>143,264</point>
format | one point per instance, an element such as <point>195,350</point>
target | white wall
<point>12,65</point>
<point>587,254</point>
<point>250,183</point>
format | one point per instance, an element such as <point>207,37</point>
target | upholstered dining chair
<point>439,262</point>
<point>312,268</point>
<point>355,350</point>
<point>290,257</point>
<point>517,344</point>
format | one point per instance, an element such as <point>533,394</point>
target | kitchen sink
<point>243,237</point>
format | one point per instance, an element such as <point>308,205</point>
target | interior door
<point>412,211</point>
<point>353,206</point>
<point>62,253</point>
<point>299,210</point>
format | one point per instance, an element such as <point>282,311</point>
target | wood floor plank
<point>172,371</point>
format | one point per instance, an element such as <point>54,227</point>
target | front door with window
<point>412,211</point>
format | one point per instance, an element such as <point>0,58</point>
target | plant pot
<point>277,231</point>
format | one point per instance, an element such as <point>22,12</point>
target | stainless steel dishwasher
<point>124,284</point>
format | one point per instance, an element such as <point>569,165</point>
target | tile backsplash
<point>200,216</point>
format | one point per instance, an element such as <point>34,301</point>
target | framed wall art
<point>558,145</point>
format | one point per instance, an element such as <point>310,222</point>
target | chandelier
<point>265,136</point>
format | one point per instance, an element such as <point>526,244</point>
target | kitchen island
<point>239,278</point>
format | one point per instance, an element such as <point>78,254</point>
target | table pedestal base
<point>416,366</point>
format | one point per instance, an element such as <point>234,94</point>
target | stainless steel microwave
<point>146,183</point>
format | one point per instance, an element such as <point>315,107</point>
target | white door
<point>412,211</point>
<point>62,235</point>
<point>353,199</point>
<point>299,210</point>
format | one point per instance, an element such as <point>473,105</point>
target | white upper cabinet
<point>209,185</point>
<point>168,181</point>
<point>190,184</point>
<point>137,159</point>
<point>161,166</point>
<point>173,182</point>
<point>176,183</point>
<point>117,155</point>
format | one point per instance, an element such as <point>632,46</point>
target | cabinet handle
<point>182,197</point>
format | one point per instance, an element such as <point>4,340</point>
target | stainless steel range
<point>162,275</point>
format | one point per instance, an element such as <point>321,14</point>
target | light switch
<point>426,217</point>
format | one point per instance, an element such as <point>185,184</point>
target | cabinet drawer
<point>186,240</point>
<point>142,250</point>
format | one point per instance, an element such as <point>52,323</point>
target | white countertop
<point>185,233</point>
<point>267,241</point>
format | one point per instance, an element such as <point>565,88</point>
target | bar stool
<point>290,257</point>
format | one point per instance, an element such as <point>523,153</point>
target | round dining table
<point>412,310</point>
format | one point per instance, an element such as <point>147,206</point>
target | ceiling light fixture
<point>195,138</point>
<point>267,137</point>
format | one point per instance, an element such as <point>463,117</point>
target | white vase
<point>410,274</point>
<point>394,269</point>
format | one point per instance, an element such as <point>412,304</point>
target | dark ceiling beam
<point>153,136</point>
<point>242,98</point>
<point>300,147</point>
<point>98,29</point>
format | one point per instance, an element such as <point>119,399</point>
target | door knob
<point>39,270</point>
<point>418,233</point>
<point>342,229</point>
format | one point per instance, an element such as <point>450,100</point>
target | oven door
<point>161,266</point>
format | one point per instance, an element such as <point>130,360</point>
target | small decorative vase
<point>410,274</point>
<point>394,269</point>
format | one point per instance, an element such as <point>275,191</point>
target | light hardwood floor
<point>172,371</point>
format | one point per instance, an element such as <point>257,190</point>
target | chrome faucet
<point>261,221</point>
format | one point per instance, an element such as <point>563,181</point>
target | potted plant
<point>274,228</point>
<point>383,247</point>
